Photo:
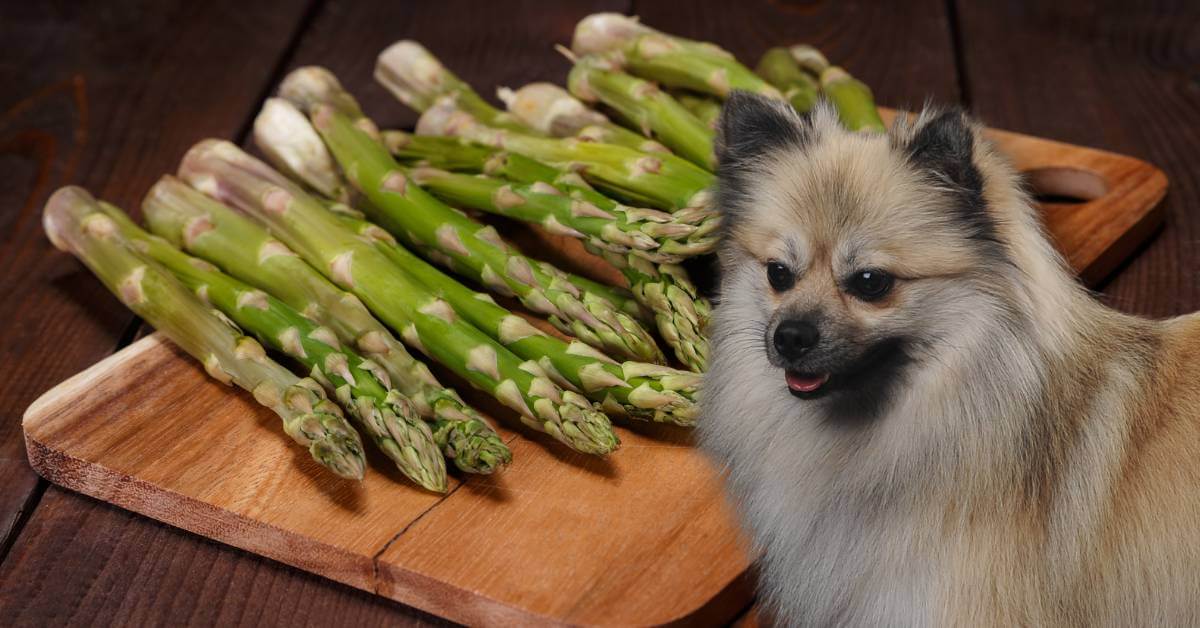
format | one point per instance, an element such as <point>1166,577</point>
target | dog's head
<point>851,256</point>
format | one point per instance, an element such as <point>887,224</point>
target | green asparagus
<point>693,230</point>
<point>780,69</point>
<point>470,247</point>
<point>853,100</point>
<point>646,107</point>
<point>555,112</point>
<point>655,180</point>
<point>809,59</point>
<point>418,79</point>
<point>361,386</point>
<point>210,230</point>
<point>426,322</point>
<point>706,108</point>
<point>642,391</point>
<point>76,223</point>
<point>665,59</point>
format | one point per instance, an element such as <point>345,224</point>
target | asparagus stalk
<point>781,69</point>
<point>853,100</point>
<point>76,223</point>
<point>679,312</point>
<point>361,386</point>
<point>555,112</point>
<point>705,108</point>
<point>449,153</point>
<point>416,77</point>
<point>422,220</point>
<point>426,322</point>
<point>622,230</point>
<point>649,109</point>
<point>665,59</point>
<point>623,298</point>
<point>638,390</point>
<point>212,231</point>
<point>660,180</point>
<point>456,156</point>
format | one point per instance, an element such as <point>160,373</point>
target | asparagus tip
<point>603,32</point>
<point>411,73</point>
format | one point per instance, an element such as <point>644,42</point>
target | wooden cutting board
<point>643,536</point>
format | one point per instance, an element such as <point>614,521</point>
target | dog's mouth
<point>873,369</point>
<point>806,385</point>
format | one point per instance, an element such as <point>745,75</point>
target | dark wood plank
<point>488,44</point>
<point>1119,76</point>
<point>903,50</point>
<point>88,562</point>
<point>108,99</point>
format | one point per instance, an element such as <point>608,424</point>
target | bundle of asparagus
<point>638,390</point>
<point>467,245</point>
<point>678,311</point>
<point>76,223</point>
<point>361,386</point>
<point>206,228</point>
<point>635,188</point>
<point>425,321</point>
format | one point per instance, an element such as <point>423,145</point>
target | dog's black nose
<point>794,338</point>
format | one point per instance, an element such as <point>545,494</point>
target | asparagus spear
<point>665,59</point>
<point>541,203</point>
<point>361,387</point>
<point>206,228</point>
<point>623,298</point>
<point>422,220</point>
<point>780,69</point>
<point>453,155</point>
<point>642,391</point>
<point>707,109</point>
<point>555,112</point>
<point>649,109</point>
<point>809,59</point>
<point>660,180</point>
<point>679,312</point>
<point>853,100</point>
<point>75,223</point>
<point>426,322</point>
<point>418,79</point>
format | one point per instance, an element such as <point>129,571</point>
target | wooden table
<point>109,98</point>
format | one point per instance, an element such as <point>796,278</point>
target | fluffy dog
<point>922,418</point>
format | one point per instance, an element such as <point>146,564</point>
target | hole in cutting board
<point>1064,186</point>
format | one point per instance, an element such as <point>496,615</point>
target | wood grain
<point>102,99</point>
<point>85,562</point>
<point>1120,76</point>
<point>903,50</point>
<point>642,536</point>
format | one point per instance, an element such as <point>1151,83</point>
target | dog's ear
<point>944,145</point>
<point>751,125</point>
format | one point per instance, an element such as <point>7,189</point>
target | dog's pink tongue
<point>805,383</point>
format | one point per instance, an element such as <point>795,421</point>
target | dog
<point>921,418</point>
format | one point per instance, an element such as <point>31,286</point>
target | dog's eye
<point>870,285</point>
<point>780,276</point>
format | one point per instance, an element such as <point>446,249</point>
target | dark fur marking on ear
<point>750,127</point>
<point>945,147</point>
